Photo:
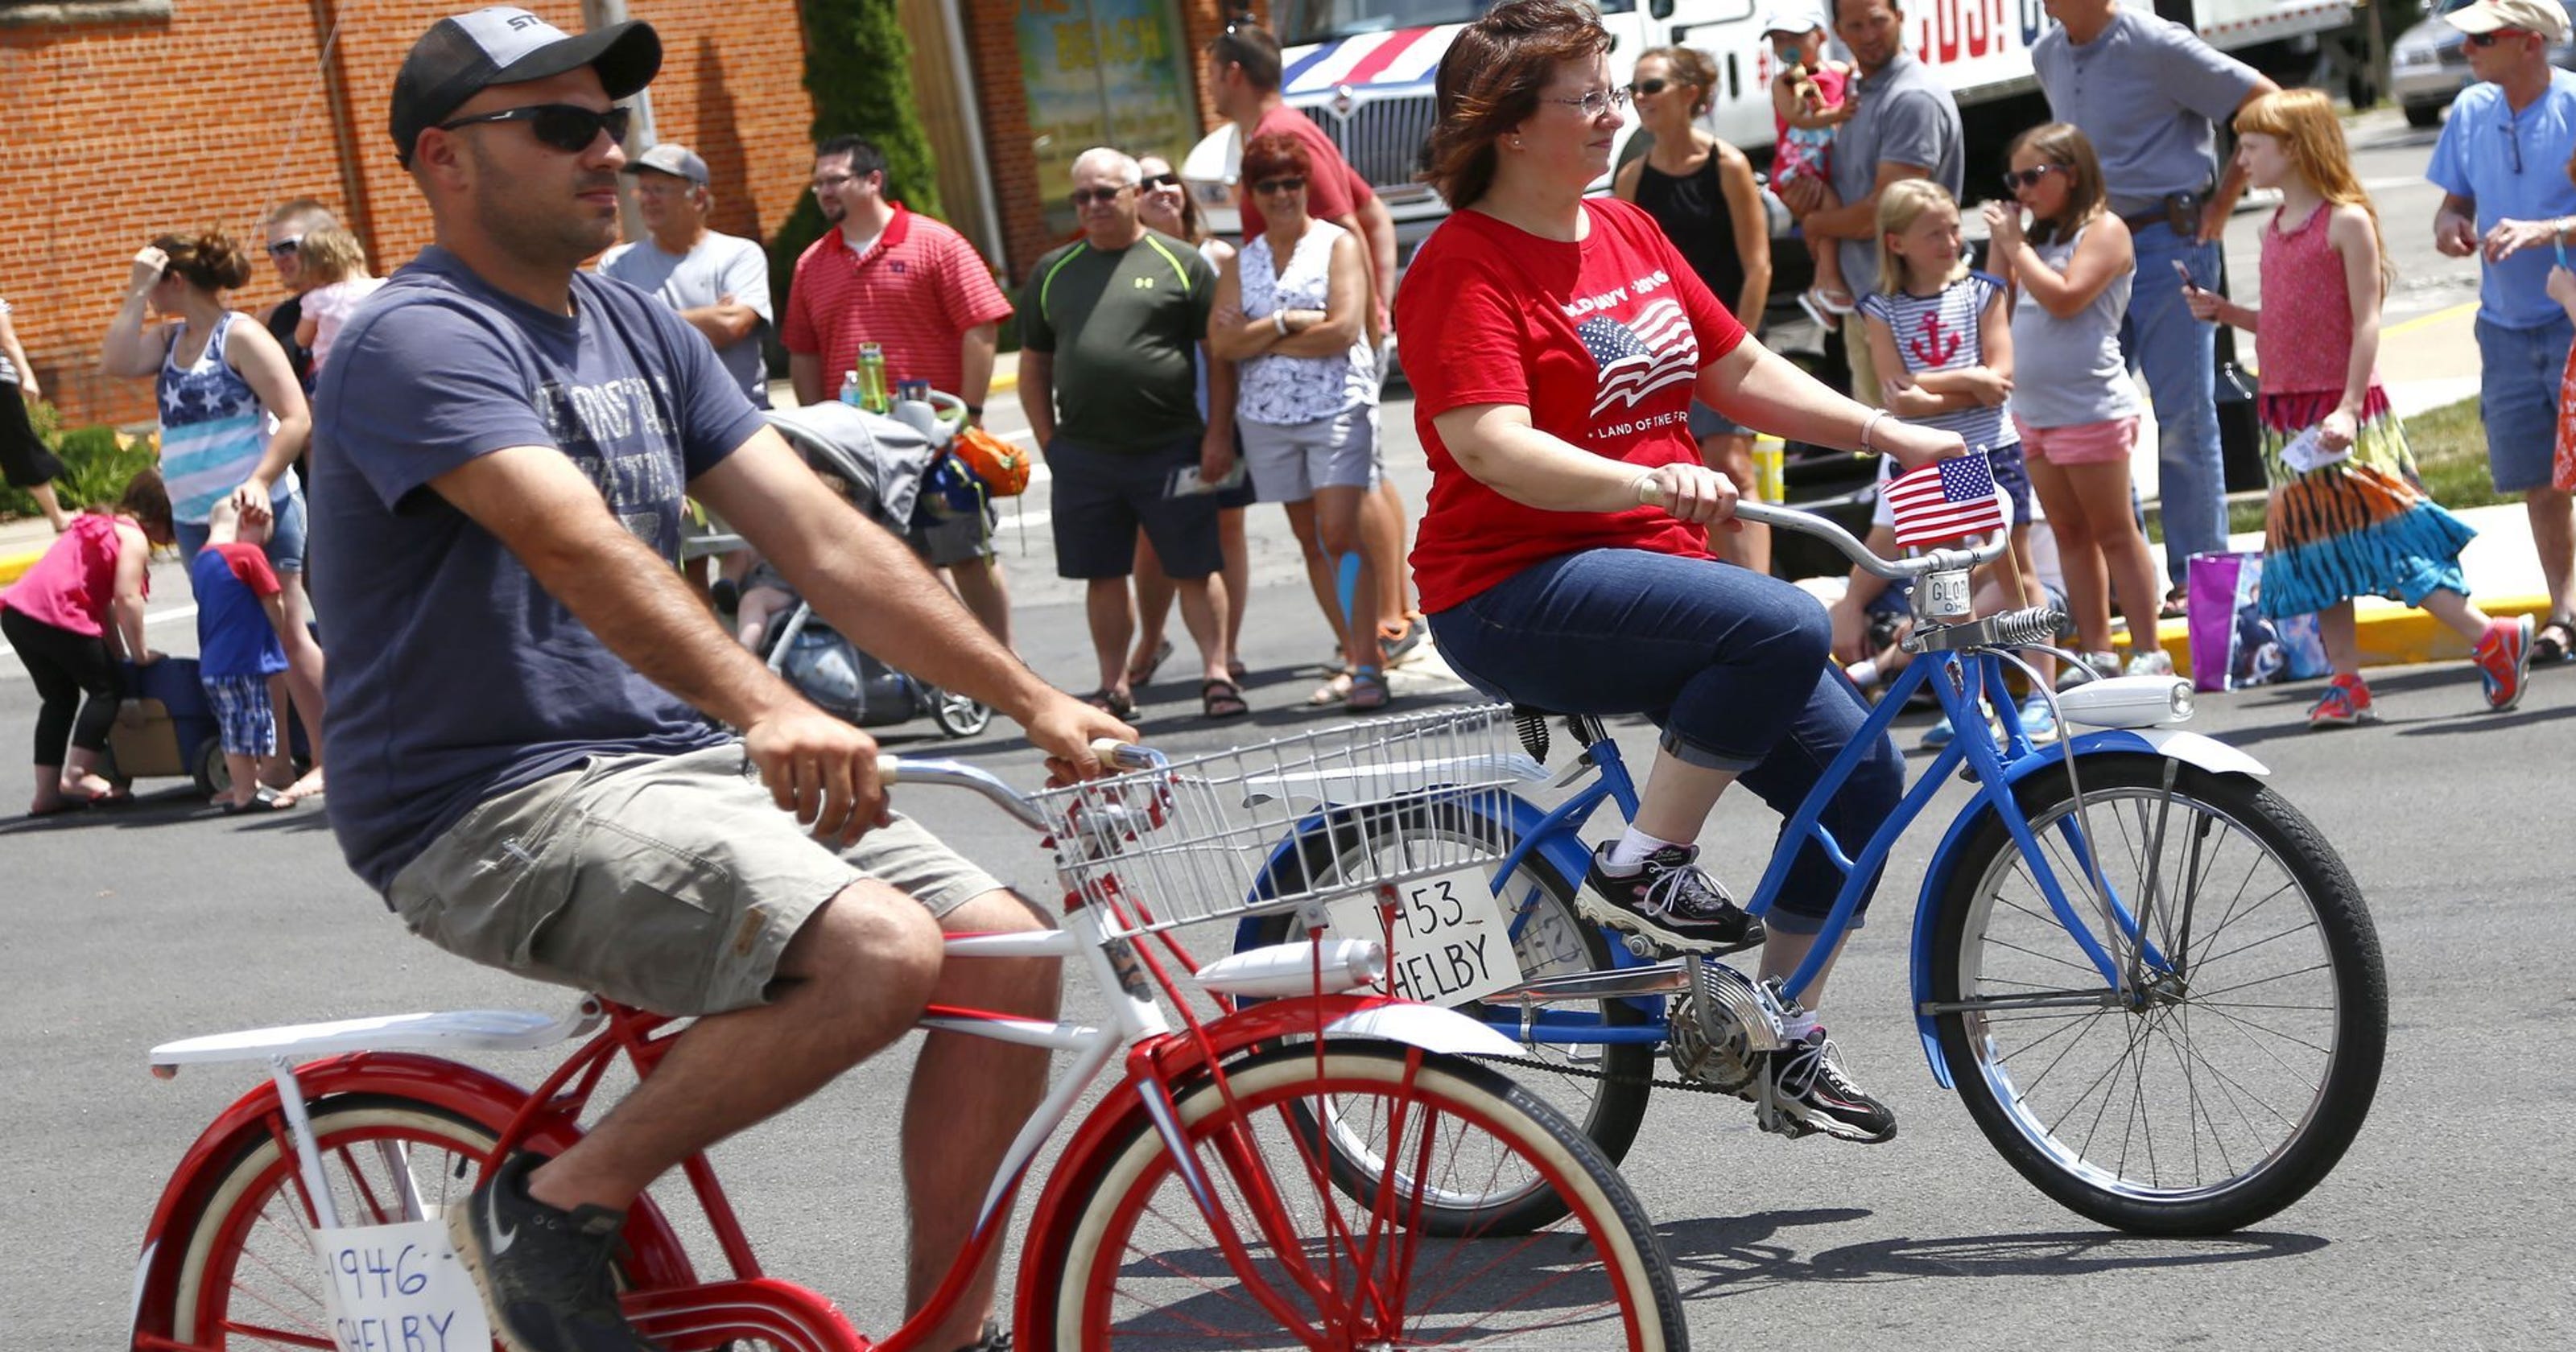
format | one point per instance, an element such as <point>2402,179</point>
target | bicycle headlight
<point>2128,702</point>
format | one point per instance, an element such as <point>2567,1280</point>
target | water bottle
<point>1770,469</point>
<point>873,394</point>
<point>850,392</point>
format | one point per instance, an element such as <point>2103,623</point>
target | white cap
<point>1792,19</point>
<point>2543,17</point>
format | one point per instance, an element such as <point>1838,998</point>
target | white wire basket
<point>1273,827</point>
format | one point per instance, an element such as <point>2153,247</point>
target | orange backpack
<point>1003,467</point>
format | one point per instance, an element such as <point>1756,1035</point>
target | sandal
<point>1235,668</point>
<point>1112,703</point>
<point>2556,640</point>
<point>2174,606</point>
<point>1334,690</point>
<point>1144,674</point>
<point>266,800</point>
<point>1400,646</point>
<point>1368,690</point>
<point>1222,699</point>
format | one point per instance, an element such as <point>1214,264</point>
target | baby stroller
<point>878,464</point>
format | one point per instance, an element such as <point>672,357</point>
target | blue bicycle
<point>2153,983</point>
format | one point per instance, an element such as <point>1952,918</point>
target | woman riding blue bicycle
<point>1554,343</point>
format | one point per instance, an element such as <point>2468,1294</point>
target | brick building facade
<point>126,118</point>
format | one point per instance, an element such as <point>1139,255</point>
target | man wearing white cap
<point>549,739</point>
<point>2502,165</point>
<point>718,282</point>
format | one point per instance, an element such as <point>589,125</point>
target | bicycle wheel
<point>1602,1086</point>
<point>248,1278</point>
<point>2243,1067</point>
<point>1141,1267</point>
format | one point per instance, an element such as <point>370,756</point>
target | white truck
<point>1363,69</point>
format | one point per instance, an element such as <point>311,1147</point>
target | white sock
<point>1797,1026</point>
<point>1631,850</point>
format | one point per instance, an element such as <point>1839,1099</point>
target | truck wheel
<point>2423,114</point>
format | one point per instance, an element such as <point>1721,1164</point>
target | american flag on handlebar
<point>1943,501</point>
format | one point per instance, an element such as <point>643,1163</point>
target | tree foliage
<point>858,67</point>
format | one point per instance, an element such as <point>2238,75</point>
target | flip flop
<point>2173,607</point>
<point>1222,699</point>
<point>1144,675</point>
<point>265,800</point>
<point>1112,703</point>
<point>2555,641</point>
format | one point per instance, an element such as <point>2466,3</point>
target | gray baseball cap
<point>673,158</point>
<point>460,57</point>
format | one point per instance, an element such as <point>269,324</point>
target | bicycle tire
<point>1991,940</point>
<point>1616,1104</point>
<point>220,1235</point>
<point>1108,1284</point>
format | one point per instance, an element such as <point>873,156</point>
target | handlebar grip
<point>1115,755</point>
<point>889,770</point>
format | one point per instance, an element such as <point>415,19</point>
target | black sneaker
<point>1669,900</point>
<point>1810,1086</point>
<point>544,1273</point>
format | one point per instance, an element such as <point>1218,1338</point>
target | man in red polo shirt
<point>915,287</point>
<point>1243,69</point>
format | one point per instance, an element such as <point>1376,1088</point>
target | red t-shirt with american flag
<point>1601,340</point>
<point>916,291</point>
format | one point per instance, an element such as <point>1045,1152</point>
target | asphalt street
<point>120,929</point>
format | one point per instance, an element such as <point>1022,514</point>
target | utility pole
<point>639,133</point>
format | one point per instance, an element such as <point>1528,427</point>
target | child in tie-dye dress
<point>2347,516</point>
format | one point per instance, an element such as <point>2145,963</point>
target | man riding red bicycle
<point>542,770</point>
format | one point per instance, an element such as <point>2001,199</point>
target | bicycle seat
<point>489,1030</point>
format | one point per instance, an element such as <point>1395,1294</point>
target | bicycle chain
<point>1580,1072</point>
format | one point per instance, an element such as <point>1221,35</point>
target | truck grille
<point>1382,138</point>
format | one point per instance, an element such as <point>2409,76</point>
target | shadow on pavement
<point>1725,1255</point>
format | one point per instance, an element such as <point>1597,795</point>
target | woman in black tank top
<point>1703,192</point>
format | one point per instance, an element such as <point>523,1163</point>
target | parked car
<point>2428,67</point>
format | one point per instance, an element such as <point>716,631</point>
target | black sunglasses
<point>1651,87</point>
<point>2489,39</point>
<point>1162,180</point>
<point>565,127</point>
<point>2017,179</point>
<point>1268,186</point>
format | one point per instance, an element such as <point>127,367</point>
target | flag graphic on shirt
<point>1943,501</point>
<point>1642,356</point>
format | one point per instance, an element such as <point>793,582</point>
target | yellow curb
<point>14,566</point>
<point>2461,310</point>
<point>1005,381</point>
<point>2390,635</point>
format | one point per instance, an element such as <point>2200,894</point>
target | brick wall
<point>121,130</point>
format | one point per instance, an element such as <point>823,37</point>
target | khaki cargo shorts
<point>672,883</point>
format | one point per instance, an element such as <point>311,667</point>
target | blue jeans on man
<point>2179,357</point>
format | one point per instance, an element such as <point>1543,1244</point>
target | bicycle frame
<point>1956,679</point>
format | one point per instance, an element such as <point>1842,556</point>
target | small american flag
<point>1941,502</point>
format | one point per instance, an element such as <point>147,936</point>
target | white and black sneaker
<point>544,1273</point>
<point>1669,900</point>
<point>1808,1084</point>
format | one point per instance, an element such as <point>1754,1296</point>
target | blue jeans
<point>2518,400</point>
<point>1732,665</point>
<point>2178,355</point>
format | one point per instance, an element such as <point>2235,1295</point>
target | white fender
<point>1429,1027</point>
<point>2193,748</point>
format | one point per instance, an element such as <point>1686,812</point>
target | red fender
<point>1176,1059</point>
<point>485,1099</point>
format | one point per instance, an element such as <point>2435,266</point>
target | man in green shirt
<point>1113,337</point>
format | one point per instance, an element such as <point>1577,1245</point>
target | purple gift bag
<point>2232,644</point>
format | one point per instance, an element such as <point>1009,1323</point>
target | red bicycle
<point>1197,1204</point>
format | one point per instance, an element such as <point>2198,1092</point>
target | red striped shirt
<point>916,291</point>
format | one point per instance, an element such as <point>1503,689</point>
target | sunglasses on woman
<point>562,126</point>
<point>1162,180</point>
<point>2017,179</point>
<point>1270,187</point>
<point>1650,88</point>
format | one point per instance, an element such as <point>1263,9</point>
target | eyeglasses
<point>1162,180</point>
<point>563,126</point>
<point>285,247</point>
<point>2513,141</point>
<point>826,186</point>
<point>1597,103</point>
<point>2490,39</point>
<point>2017,179</point>
<point>1083,197</point>
<point>1272,186</point>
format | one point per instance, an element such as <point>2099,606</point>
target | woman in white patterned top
<point>1290,311</point>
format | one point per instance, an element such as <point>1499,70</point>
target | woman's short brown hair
<point>1692,67</point>
<point>148,501</point>
<point>1272,155</point>
<point>1489,82</point>
<point>2064,145</point>
<point>208,259</point>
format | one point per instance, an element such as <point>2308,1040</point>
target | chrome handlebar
<point>1895,570</point>
<point>1115,757</point>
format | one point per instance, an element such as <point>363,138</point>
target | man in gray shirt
<point>2148,93</point>
<point>1907,127</point>
<point>719,283</point>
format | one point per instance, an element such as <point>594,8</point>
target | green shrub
<point>858,67</point>
<point>97,462</point>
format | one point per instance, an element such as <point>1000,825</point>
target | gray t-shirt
<point>1905,117</point>
<point>453,675</point>
<point>2148,93</point>
<point>715,267</point>
<point>2069,372</point>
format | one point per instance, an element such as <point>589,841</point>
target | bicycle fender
<point>476,1095</point>
<point>1564,849</point>
<point>2180,744</point>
